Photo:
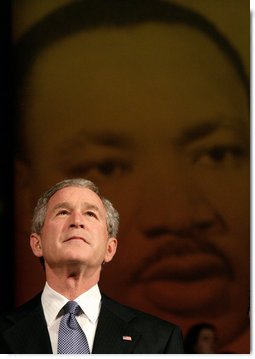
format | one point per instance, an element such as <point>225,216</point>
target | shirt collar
<point>90,303</point>
<point>53,302</point>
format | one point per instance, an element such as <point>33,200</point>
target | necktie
<point>71,338</point>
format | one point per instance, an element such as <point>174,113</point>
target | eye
<point>112,168</point>
<point>62,212</point>
<point>221,156</point>
<point>91,214</point>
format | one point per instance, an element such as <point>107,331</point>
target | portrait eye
<point>109,168</point>
<point>225,156</point>
<point>102,169</point>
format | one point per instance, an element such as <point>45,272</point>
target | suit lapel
<point>29,333</point>
<point>114,334</point>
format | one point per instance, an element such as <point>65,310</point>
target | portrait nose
<point>171,203</point>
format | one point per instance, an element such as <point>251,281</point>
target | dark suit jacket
<point>25,331</point>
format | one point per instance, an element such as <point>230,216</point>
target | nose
<point>171,204</point>
<point>77,220</point>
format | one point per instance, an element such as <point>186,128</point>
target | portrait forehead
<point>106,79</point>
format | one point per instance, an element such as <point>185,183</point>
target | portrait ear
<point>35,244</point>
<point>111,249</point>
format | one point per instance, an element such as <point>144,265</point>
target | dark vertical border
<point>6,162</point>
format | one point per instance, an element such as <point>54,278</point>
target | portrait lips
<point>185,267</point>
<point>186,259</point>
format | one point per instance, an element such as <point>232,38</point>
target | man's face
<point>206,342</point>
<point>158,118</point>
<point>74,232</point>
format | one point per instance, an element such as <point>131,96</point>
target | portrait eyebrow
<point>107,139</point>
<point>84,139</point>
<point>113,140</point>
<point>206,128</point>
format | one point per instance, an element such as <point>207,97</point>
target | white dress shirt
<point>90,303</point>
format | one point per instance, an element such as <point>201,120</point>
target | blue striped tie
<point>71,338</point>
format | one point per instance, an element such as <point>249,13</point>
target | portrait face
<point>158,118</point>
<point>74,232</point>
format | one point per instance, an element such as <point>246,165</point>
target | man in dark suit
<point>74,232</point>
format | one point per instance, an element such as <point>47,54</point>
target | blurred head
<point>201,339</point>
<point>111,97</point>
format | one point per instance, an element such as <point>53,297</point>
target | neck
<point>71,281</point>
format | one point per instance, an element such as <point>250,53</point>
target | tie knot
<point>72,307</point>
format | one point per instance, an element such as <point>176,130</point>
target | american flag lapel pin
<point>127,338</point>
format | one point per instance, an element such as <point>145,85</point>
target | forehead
<point>124,43</point>
<point>76,196</point>
<point>110,57</point>
<point>154,46</point>
<point>115,78</point>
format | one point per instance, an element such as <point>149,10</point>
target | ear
<point>111,249</point>
<point>36,245</point>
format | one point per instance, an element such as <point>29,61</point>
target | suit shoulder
<point>130,314</point>
<point>8,318</point>
<point>157,335</point>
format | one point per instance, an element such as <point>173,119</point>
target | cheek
<point>47,244</point>
<point>228,195</point>
<point>124,199</point>
<point>50,235</point>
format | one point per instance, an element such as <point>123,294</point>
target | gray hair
<point>112,216</point>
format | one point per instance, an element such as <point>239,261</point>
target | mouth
<point>185,277</point>
<point>184,261</point>
<point>185,268</point>
<point>76,238</point>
